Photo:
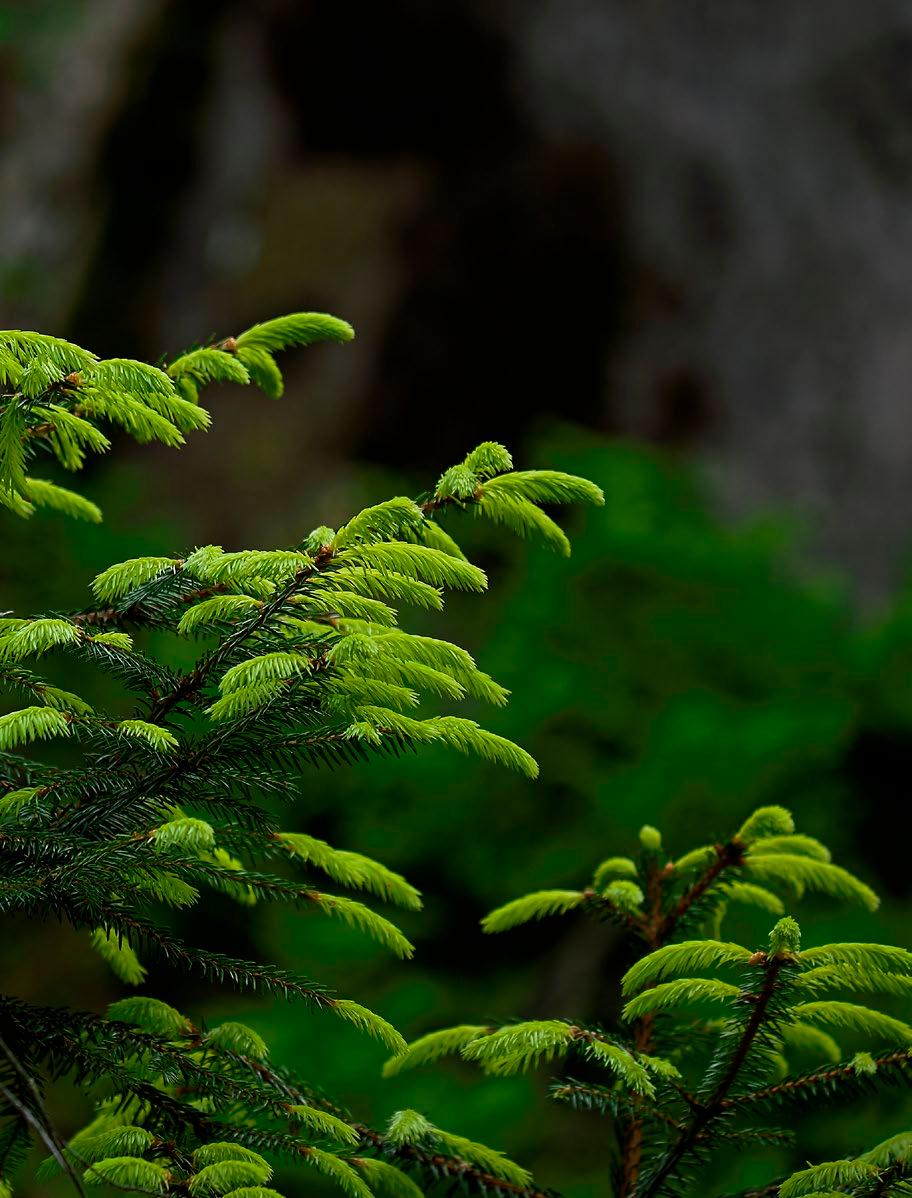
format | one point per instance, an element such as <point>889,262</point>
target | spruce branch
<point>848,1078</point>
<point>689,1111</point>
<point>309,667</point>
<point>712,1108</point>
<point>190,684</point>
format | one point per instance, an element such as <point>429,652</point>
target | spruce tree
<point>718,1044</point>
<point>299,661</point>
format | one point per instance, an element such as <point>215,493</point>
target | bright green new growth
<point>844,1016</point>
<point>410,1129</point>
<point>805,873</point>
<point>299,661</point>
<point>128,1172</point>
<point>339,1171</point>
<point>825,1177</point>
<point>785,938</point>
<point>753,896</point>
<point>433,1047</point>
<point>356,915</point>
<point>152,734</point>
<point>385,1179</point>
<point>766,821</point>
<point>680,992</point>
<point>117,951</point>
<point>236,1037</point>
<point>885,1169</point>
<point>326,1125</point>
<point>520,1046</point>
<point>54,393</point>
<point>716,1038</point>
<point>351,869</point>
<point>532,906</point>
<point>150,1015</point>
<point>30,724</point>
<point>624,867</point>
<point>682,958</point>
<point>225,1176</point>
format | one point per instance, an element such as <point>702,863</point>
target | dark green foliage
<point>716,1042</point>
<point>298,660</point>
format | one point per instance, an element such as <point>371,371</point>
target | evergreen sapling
<point>717,1043</point>
<point>300,661</point>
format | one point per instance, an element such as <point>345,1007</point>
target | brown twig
<point>795,1085</point>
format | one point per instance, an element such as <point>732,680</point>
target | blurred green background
<point>732,629</point>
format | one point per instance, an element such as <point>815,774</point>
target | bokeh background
<point>664,245</point>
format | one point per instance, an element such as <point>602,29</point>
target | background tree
<point>701,1061</point>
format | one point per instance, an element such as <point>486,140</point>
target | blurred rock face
<point>685,222</point>
<point>764,153</point>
